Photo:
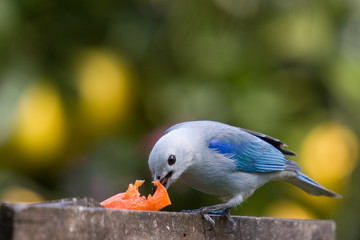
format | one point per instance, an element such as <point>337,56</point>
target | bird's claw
<point>232,223</point>
<point>203,210</point>
<point>209,220</point>
<point>209,210</point>
<point>220,212</point>
<point>206,212</point>
<point>191,211</point>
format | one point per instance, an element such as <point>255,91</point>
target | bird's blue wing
<point>250,153</point>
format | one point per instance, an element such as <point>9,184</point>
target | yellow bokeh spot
<point>329,153</point>
<point>20,195</point>
<point>288,209</point>
<point>40,127</point>
<point>103,83</point>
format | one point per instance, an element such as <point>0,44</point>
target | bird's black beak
<point>154,187</point>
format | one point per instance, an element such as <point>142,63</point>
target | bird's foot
<point>199,210</point>
<point>205,211</point>
<point>209,210</point>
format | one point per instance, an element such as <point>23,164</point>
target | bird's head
<point>171,156</point>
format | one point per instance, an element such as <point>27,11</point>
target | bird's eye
<point>171,160</point>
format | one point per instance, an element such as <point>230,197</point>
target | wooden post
<point>86,219</point>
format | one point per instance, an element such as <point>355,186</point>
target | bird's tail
<point>310,186</point>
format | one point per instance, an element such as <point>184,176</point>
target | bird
<point>226,161</point>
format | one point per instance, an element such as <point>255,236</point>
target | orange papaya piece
<point>132,200</point>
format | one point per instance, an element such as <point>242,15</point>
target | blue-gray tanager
<point>226,161</point>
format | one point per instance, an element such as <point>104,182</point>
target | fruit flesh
<point>132,200</point>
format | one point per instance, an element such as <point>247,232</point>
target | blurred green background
<point>87,87</point>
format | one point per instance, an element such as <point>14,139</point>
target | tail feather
<point>310,186</point>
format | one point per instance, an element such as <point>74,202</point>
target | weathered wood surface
<point>86,219</point>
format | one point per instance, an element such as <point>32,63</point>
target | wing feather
<point>251,154</point>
